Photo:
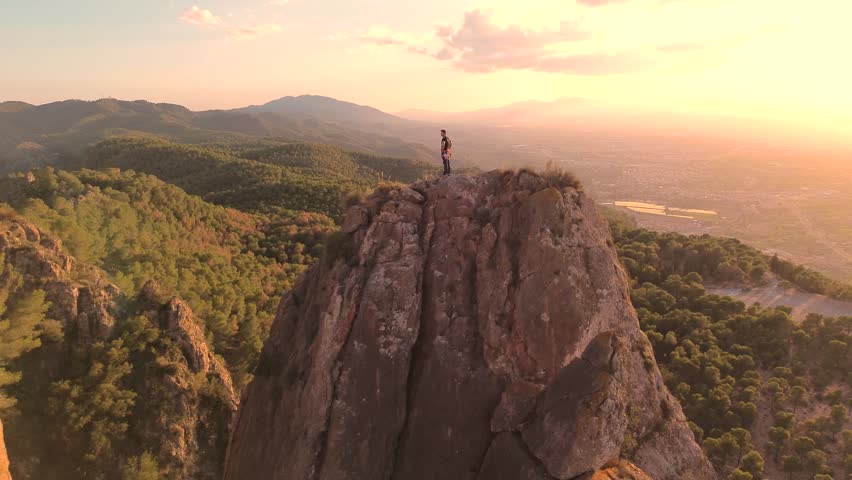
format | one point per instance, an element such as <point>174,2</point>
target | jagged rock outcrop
<point>87,311</point>
<point>189,423</point>
<point>4,457</point>
<point>465,328</point>
<point>181,326</point>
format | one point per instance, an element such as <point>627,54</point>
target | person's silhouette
<point>446,151</point>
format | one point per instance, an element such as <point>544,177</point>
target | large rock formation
<point>464,328</point>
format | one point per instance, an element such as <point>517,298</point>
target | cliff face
<point>469,328</point>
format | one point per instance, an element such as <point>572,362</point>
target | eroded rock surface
<point>189,424</point>
<point>466,328</point>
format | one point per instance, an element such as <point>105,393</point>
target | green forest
<point>127,229</point>
<point>762,393</point>
<point>230,266</point>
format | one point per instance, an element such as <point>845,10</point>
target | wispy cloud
<point>480,45</point>
<point>255,31</point>
<point>384,36</point>
<point>199,16</point>
<point>196,15</point>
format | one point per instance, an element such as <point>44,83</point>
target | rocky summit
<point>469,327</point>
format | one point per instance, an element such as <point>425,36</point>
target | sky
<point>783,60</point>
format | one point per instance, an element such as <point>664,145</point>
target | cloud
<point>479,45</point>
<point>278,3</point>
<point>198,16</point>
<point>380,35</point>
<point>444,31</point>
<point>479,36</point>
<point>254,31</point>
<point>445,54</point>
<point>574,64</point>
<point>203,17</point>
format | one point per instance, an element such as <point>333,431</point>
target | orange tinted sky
<point>776,59</point>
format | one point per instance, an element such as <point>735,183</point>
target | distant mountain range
<point>29,134</point>
<point>327,109</point>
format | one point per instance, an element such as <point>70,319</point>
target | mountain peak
<point>467,328</point>
<point>324,108</point>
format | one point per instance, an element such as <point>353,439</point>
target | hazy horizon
<point>776,61</point>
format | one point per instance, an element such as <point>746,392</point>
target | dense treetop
<point>730,364</point>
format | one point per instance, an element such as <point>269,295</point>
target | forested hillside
<point>720,260</point>
<point>231,267</point>
<point>767,398</point>
<point>124,244</point>
<point>290,176</point>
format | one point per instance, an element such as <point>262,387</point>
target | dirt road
<point>801,302</point>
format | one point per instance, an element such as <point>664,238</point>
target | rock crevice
<point>472,328</point>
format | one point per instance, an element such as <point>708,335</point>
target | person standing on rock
<point>446,151</point>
